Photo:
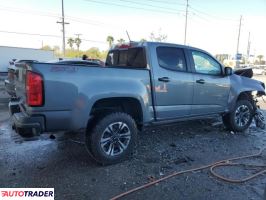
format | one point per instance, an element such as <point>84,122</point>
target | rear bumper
<point>37,123</point>
<point>24,124</point>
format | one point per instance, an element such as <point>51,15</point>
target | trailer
<point>7,54</point>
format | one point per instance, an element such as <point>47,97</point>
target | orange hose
<point>211,166</point>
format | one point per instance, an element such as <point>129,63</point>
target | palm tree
<point>110,40</point>
<point>78,42</point>
<point>260,57</point>
<point>158,37</point>
<point>121,41</point>
<point>70,42</point>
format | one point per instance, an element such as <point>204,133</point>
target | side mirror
<point>228,71</point>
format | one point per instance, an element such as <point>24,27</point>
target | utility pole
<point>248,47</point>
<point>185,40</point>
<point>237,48</point>
<point>239,30</point>
<point>63,29</point>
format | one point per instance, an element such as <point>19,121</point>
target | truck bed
<point>70,91</point>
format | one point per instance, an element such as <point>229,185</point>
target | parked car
<point>11,72</point>
<point>258,71</point>
<point>8,53</point>
<point>77,61</point>
<point>97,61</point>
<point>143,84</point>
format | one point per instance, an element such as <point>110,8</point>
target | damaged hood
<point>248,72</point>
<point>243,83</point>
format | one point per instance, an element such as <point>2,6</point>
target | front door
<point>211,87</point>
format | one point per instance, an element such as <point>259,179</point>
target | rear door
<point>173,83</point>
<point>211,87</point>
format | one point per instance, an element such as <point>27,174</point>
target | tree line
<point>74,46</point>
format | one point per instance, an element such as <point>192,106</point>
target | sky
<point>212,24</point>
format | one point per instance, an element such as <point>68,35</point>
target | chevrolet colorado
<point>142,84</point>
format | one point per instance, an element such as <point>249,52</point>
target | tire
<point>24,132</point>
<point>112,139</point>
<point>226,122</point>
<point>241,116</point>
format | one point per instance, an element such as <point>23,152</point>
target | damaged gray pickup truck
<point>142,84</point>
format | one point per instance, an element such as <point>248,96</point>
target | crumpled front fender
<point>241,84</point>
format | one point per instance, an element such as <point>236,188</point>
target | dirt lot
<point>63,163</point>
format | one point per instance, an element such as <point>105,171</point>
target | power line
<point>45,35</point>
<point>200,16</point>
<point>167,2</point>
<point>30,34</point>
<point>145,4</point>
<point>85,21</point>
<point>208,20</point>
<point>30,12</point>
<point>53,15</point>
<point>210,15</point>
<point>93,41</point>
<point>132,7</point>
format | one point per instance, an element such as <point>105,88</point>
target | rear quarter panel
<point>71,91</point>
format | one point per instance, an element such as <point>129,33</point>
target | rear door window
<point>131,57</point>
<point>122,59</point>
<point>171,58</point>
<point>136,58</point>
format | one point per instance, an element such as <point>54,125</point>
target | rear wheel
<point>112,139</point>
<point>25,132</point>
<point>241,116</point>
<point>226,121</point>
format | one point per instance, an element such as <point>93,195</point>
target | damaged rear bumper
<point>24,124</point>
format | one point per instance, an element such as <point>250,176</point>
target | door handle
<point>201,81</point>
<point>164,79</point>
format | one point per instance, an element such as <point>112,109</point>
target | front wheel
<point>112,139</point>
<point>241,116</point>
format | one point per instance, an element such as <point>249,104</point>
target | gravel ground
<point>63,163</point>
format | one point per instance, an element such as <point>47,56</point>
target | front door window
<point>205,64</point>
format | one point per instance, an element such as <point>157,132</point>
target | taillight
<point>34,89</point>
